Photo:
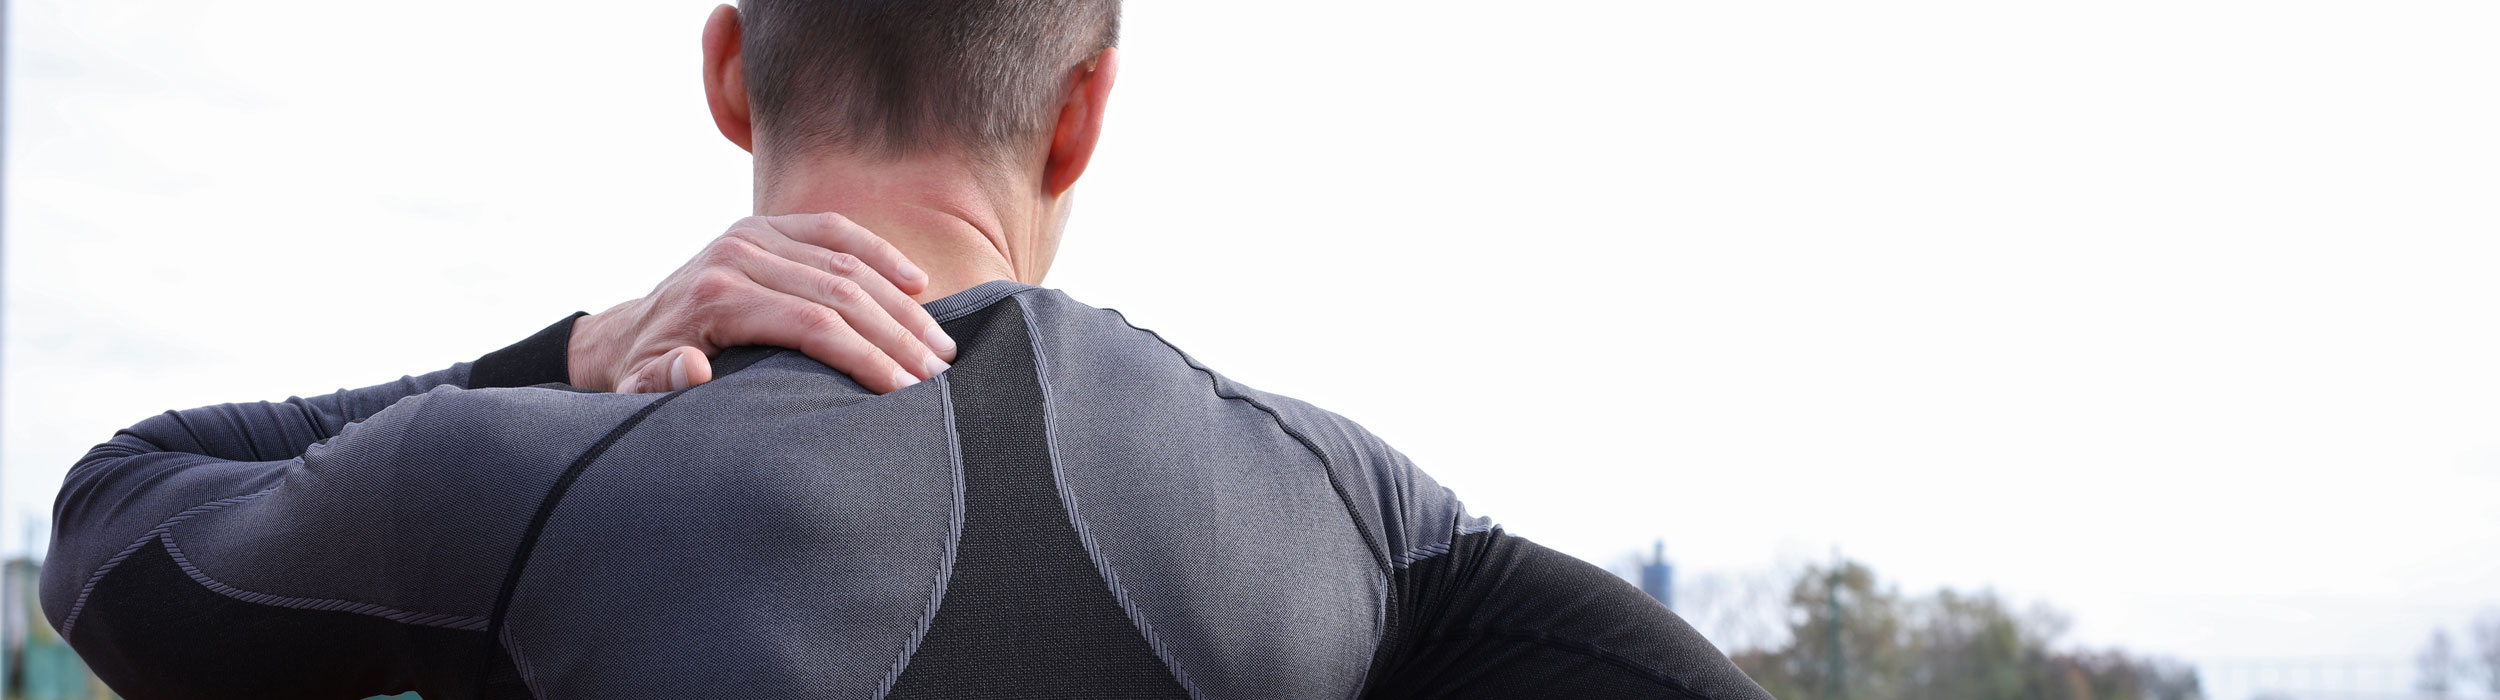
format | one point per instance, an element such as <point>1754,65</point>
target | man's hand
<point>814,282</point>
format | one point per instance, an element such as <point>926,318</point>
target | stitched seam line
<point>1067,499</point>
<point>1582,648</point>
<point>520,664</point>
<point>972,304</point>
<point>459,622</point>
<point>1372,544</point>
<point>71,622</point>
<point>1379,553</point>
<point>1420,553</point>
<point>954,536</point>
<point>538,525</point>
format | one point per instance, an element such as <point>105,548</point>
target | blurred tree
<point>1948,646</point>
<point>1970,647</point>
<point>2433,666</point>
<point>1867,630</point>
<point>2487,648</point>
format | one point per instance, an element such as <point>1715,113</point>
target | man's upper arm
<point>151,618</point>
<point>180,477</point>
<point>1498,616</point>
<point>385,544</point>
<point>1479,613</point>
<point>176,461</point>
<point>1407,514</point>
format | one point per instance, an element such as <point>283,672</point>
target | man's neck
<point>941,216</point>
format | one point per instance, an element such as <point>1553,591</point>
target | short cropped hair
<point>900,77</point>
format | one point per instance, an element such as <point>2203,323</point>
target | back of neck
<point>944,217</point>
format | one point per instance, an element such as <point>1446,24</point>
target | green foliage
<point>1946,646</point>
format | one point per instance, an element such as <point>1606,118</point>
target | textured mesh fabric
<point>174,639</point>
<point>1025,614</point>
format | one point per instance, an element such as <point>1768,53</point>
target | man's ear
<point>725,77</point>
<point>1080,121</point>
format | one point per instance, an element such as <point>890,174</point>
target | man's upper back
<point>1074,506</point>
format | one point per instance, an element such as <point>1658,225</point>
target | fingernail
<point>938,340</point>
<point>904,379</point>
<point>935,366</point>
<point>912,272</point>
<point>677,373</point>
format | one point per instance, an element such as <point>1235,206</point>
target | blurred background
<point>1918,349</point>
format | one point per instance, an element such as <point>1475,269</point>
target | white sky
<point>2179,314</point>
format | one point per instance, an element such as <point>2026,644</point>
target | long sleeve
<point>179,464</point>
<point>274,431</point>
<point>1472,611</point>
<point>1498,616</point>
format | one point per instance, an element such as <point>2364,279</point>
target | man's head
<point>899,77</point>
<point>1009,92</point>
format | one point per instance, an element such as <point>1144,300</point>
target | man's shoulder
<point>1101,348</point>
<point>1119,368</point>
<point>1094,349</point>
<point>1417,516</point>
<point>453,421</point>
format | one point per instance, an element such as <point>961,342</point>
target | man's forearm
<point>266,431</point>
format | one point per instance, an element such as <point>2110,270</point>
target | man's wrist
<point>538,359</point>
<point>594,351</point>
<point>583,352</point>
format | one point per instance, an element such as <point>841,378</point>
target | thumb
<point>675,370</point>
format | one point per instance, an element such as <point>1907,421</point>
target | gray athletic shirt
<point>1076,509</point>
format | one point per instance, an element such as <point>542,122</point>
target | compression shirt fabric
<point>1077,509</point>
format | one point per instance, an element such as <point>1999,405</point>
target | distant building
<point>1658,577</point>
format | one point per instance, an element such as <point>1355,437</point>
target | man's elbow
<point>74,523</point>
<point>63,579</point>
<point>92,496</point>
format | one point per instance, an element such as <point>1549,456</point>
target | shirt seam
<point>536,527</point>
<point>469,623</point>
<point>1373,545</point>
<point>1423,552</point>
<point>954,539</point>
<point>1067,501</point>
<point>79,607</point>
<point>509,640</point>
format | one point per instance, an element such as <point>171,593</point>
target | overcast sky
<point>2178,315</point>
